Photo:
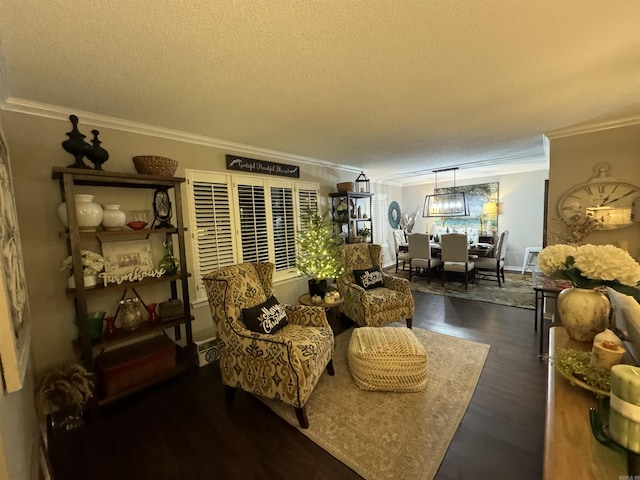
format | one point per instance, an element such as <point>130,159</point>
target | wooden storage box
<point>128,367</point>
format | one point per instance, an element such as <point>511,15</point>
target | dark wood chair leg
<point>301,415</point>
<point>229,393</point>
<point>398,262</point>
<point>409,322</point>
<point>498,275</point>
<point>466,276</point>
<point>330,369</point>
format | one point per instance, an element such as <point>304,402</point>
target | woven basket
<point>153,165</point>
<point>345,187</point>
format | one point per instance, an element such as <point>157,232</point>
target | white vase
<point>584,312</point>
<point>88,213</point>
<point>90,281</point>
<point>112,217</point>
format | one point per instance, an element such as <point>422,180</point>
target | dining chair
<point>455,257</point>
<point>420,255</point>
<point>488,266</point>
<point>399,241</point>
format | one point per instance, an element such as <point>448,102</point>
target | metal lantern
<point>362,183</point>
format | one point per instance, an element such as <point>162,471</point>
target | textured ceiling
<point>395,87</point>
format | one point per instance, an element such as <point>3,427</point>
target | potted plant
<point>318,255</point>
<point>61,394</point>
<point>92,264</point>
<point>365,233</point>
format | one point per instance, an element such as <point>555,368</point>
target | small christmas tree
<point>318,255</point>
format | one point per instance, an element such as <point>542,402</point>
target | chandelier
<point>446,204</point>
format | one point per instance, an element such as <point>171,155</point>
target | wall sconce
<point>362,183</point>
<point>446,204</point>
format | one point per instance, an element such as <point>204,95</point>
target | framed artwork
<point>477,196</point>
<point>124,258</point>
<point>15,315</point>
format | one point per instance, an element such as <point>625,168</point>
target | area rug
<point>516,291</point>
<point>386,435</point>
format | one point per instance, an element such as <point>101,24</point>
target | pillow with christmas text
<point>267,317</point>
<point>369,278</point>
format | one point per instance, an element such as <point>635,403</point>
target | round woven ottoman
<point>387,358</point>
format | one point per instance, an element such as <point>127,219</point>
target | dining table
<point>479,249</point>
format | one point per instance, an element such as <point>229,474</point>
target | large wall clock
<point>604,198</point>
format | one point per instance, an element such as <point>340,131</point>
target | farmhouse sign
<point>262,166</point>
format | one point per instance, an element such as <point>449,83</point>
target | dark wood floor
<point>184,430</point>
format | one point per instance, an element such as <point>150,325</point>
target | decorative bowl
<point>137,225</point>
<point>154,165</point>
<point>138,219</point>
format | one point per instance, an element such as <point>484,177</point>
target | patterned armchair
<point>284,365</point>
<point>391,302</point>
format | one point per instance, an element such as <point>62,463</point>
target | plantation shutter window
<point>284,227</point>
<point>307,200</point>
<point>245,218</point>
<point>252,221</point>
<point>212,226</point>
<point>380,223</point>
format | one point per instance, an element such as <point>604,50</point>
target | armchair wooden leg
<point>301,415</point>
<point>409,322</point>
<point>229,393</point>
<point>330,369</point>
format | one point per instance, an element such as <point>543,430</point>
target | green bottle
<point>170,264</point>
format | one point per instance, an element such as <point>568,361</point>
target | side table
<point>545,287</point>
<point>333,314</point>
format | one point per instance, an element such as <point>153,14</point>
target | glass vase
<point>169,262</point>
<point>131,316</point>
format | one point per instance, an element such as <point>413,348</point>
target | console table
<point>545,287</point>
<point>570,449</point>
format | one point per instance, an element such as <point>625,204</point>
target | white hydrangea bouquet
<point>92,262</point>
<point>590,266</point>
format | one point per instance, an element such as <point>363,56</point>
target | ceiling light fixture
<point>446,204</point>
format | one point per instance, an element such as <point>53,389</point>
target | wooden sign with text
<point>244,164</point>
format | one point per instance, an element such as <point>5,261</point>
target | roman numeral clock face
<point>609,202</point>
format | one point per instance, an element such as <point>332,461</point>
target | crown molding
<point>594,127</point>
<point>28,107</point>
